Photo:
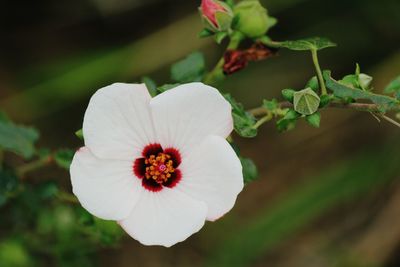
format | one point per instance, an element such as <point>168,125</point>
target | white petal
<point>186,114</point>
<point>165,218</point>
<point>212,173</point>
<point>117,122</point>
<point>106,188</point>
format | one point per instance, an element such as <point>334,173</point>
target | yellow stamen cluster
<point>159,168</point>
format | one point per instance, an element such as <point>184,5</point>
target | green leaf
<point>63,158</point>
<point>17,139</point>
<point>314,119</point>
<point>250,172</point>
<point>394,87</point>
<point>190,69</point>
<point>150,84</point>
<point>306,101</point>
<point>315,43</point>
<point>79,134</point>
<point>243,121</point>
<point>288,94</point>
<point>343,91</point>
<point>325,100</point>
<point>166,87</point>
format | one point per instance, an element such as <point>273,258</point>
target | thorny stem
<point>319,72</point>
<point>217,74</point>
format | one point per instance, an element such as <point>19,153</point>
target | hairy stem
<point>319,72</point>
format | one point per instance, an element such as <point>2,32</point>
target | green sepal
<point>324,100</point>
<point>314,119</point>
<point>79,134</point>
<point>166,87</point>
<point>151,85</point>
<point>313,84</point>
<point>288,94</point>
<point>288,122</point>
<point>220,36</point>
<point>206,33</point>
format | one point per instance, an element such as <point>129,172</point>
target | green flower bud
<point>365,81</point>
<point>306,101</point>
<point>253,20</point>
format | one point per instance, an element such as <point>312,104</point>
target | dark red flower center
<point>158,167</point>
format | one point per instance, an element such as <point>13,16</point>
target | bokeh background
<point>325,197</point>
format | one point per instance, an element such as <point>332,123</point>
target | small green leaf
<point>314,119</point>
<point>394,87</point>
<point>306,101</point>
<point>343,91</point>
<point>205,33</point>
<point>249,169</point>
<point>288,122</point>
<point>151,85</point>
<point>190,69</point>
<point>316,43</point>
<point>18,139</point>
<point>166,87</point>
<point>313,84</point>
<point>79,134</point>
<point>270,104</point>
<point>63,158</point>
<point>220,36</point>
<point>243,121</point>
<point>288,94</point>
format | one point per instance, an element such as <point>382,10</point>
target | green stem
<point>34,165</point>
<point>217,74</point>
<point>319,72</point>
<point>263,120</point>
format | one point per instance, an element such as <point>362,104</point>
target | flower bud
<point>253,19</point>
<point>306,101</point>
<point>216,14</point>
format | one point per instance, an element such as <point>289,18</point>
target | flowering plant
<point>158,161</point>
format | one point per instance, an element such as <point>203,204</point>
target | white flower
<point>159,166</point>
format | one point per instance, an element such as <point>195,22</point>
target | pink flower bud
<point>209,7</point>
<point>217,15</point>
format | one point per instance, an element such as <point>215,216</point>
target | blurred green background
<point>325,197</point>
